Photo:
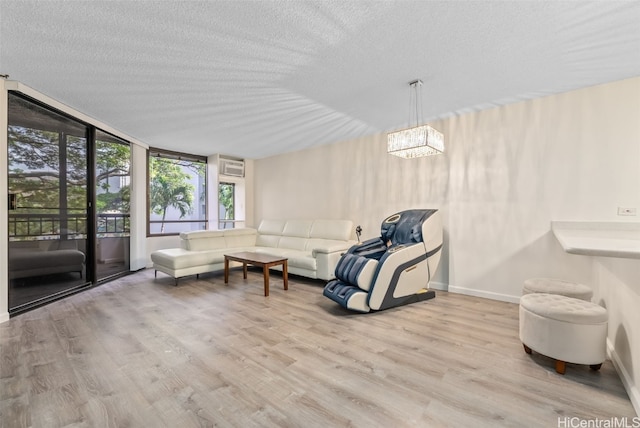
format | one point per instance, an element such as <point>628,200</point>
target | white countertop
<point>605,239</point>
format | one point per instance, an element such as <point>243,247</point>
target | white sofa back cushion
<point>199,240</point>
<point>298,234</point>
<point>332,229</point>
<point>268,240</point>
<point>202,240</point>
<point>271,227</point>
<point>298,228</point>
<point>293,243</point>
<point>244,237</point>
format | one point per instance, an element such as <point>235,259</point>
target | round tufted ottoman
<point>564,328</point>
<point>557,286</point>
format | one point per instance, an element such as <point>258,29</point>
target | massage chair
<point>393,269</point>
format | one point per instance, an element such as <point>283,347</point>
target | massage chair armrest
<point>405,253</point>
<point>371,248</point>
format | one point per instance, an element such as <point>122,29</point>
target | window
<point>176,192</point>
<point>226,205</point>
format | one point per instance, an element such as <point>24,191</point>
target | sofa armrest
<point>327,257</point>
<point>328,249</point>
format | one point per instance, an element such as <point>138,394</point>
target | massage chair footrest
<point>351,297</point>
<point>340,291</point>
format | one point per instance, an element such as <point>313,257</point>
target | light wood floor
<point>139,352</point>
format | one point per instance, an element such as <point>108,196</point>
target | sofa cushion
<point>244,237</point>
<point>271,227</point>
<point>241,231</point>
<point>297,228</point>
<point>331,229</point>
<point>327,244</point>
<point>199,240</point>
<point>178,258</point>
<point>201,234</point>
<point>292,242</point>
<point>276,252</point>
<point>267,240</point>
<point>299,259</point>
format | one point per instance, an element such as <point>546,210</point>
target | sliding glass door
<point>68,185</point>
<point>48,200</point>
<point>113,159</point>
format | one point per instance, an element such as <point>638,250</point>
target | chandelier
<point>420,140</point>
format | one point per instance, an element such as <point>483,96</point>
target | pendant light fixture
<point>420,140</point>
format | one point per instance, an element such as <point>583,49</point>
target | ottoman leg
<point>595,367</point>
<point>560,366</point>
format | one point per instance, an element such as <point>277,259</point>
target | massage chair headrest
<point>404,227</point>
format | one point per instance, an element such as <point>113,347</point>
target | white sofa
<point>312,247</point>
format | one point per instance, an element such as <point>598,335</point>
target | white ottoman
<point>557,286</point>
<point>564,328</point>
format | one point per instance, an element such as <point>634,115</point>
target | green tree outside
<point>34,176</point>
<point>112,160</point>
<point>170,186</point>
<point>225,197</point>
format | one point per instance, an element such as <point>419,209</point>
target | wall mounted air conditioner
<point>232,168</point>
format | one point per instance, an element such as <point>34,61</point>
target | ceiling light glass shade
<point>415,142</point>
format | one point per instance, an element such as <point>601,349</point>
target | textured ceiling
<point>257,78</point>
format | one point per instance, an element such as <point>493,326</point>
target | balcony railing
<point>113,224</point>
<point>229,223</point>
<point>27,227</point>
<point>174,227</point>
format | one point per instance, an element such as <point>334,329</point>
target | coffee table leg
<point>226,270</point>
<point>265,273</point>
<point>285,275</point>
<point>244,270</point>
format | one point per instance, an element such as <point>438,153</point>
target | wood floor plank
<point>141,352</point>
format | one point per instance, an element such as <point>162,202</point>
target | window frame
<point>168,154</point>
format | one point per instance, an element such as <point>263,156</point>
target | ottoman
<point>564,328</point>
<point>557,286</point>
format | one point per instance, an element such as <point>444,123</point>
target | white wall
<point>138,222</point>
<point>506,174</point>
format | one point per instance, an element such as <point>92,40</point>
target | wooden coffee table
<point>256,259</point>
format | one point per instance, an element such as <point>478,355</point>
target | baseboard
<point>484,294</point>
<point>627,381</point>
<point>4,317</point>
<point>438,286</point>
